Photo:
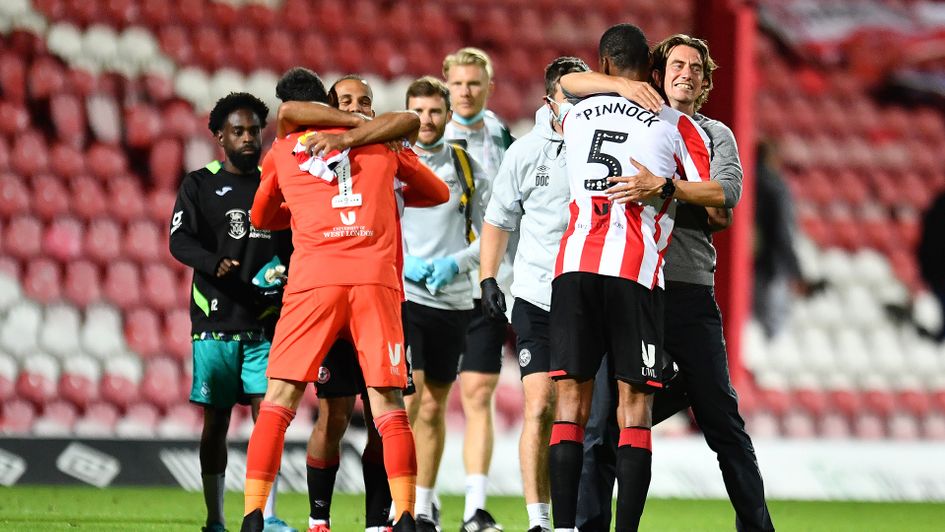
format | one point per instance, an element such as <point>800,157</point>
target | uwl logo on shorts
<point>394,353</point>
<point>648,351</point>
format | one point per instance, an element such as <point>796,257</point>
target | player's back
<point>345,232</point>
<point>602,134</point>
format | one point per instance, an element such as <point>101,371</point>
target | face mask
<point>471,120</point>
<point>563,109</point>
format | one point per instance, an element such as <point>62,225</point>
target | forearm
<point>704,193</point>
<point>190,253</point>
<point>291,115</point>
<point>385,128</point>
<point>468,258</point>
<point>492,245</point>
<point>587,83</point>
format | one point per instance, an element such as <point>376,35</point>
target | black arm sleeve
<point>185,242</point>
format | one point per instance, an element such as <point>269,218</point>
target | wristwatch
<point>668,189</point>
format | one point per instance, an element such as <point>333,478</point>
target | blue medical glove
<point>444,270</point>
<point>416,269</point>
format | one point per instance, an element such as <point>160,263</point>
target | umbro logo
<point>222,192</point>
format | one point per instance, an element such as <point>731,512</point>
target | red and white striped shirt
<point>602,134</point>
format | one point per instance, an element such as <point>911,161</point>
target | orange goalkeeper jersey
<point>345,232</point>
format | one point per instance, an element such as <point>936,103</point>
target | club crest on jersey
<point>238,222</point>
<point>324,375</point>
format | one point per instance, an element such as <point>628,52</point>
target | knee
<point>336,421</point>
<point>479,394</point>
<point>432,409</point>
<point>216,421</point>
<point>539,409</point>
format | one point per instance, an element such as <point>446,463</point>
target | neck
<point>229,167</point>
<point>685,108</point>
<point>436,146</point>
<point>473,122</point>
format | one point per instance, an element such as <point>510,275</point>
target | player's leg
<point>694,338</point>
<point>216,386</point>
<point>534,358</point>
<point>634,454</point>
<point>255,357</point>
<point>566,445</point>
<point>479,376</point>
<point>336,388</point>
<point>377,331</point>
<point>599,468</point>
<point>430,433</point>
<point>307,327</point>
<point>377,498</point>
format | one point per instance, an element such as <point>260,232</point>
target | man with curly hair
<point>233,309</point>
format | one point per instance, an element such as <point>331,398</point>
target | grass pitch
<point>34,508</point>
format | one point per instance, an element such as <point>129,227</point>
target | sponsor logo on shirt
<point>222,192</point>
<point>542,176</point>
<point>177,221</point>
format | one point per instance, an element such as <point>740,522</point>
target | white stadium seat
<point>20,330</point>
<point>59,334</point>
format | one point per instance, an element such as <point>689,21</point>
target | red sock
<point>637,437</point>
<point>264,455</point>
<point>400,459</point>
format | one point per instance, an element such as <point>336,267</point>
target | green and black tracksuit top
<point>210,222</point>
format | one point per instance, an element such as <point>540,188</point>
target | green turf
<point>44,508</point>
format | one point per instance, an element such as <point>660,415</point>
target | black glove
<point>493,300</point>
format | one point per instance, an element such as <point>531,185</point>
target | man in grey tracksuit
<point>530,196</point>
<point>439,252</point>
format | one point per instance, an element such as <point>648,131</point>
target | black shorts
<point>341,376</point>
<point>484,340</point>
<point>531,326</point>
<point>435,338</point>
<point>596,315</point>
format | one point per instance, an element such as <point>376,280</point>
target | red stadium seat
<point>332,17</point>
<point>251,57</point>
<point>156,13</point>
<point>37,380</point>
<point>23,237</point>
<point>99,420</point>
<point>160,206</point>
<point>104,114</point>
<point>105,162</point>
<point>210,50</point>
<point>868,427</point>
<point>259,15</point>
<point>103,240</point>
<point>88,198</point>
<point>43,281</point>
<point>66,161</point>
<point>119,385</point>
<point>182,420</point>
<point>125,199</point>
<point>915,402</point>
<point>4,155</point>
<point>46,78</point>
<point>10,268</point>
<point>26,43</point>
<point>12,78</point>
<point>122,285</point>
<point>179,120</point>
<point>142,125</point>
<point>82,283</point>
<point>121,13</point>
<point>8,373</point>
<point>14,118</point>
<point>18,417</point>
<point>81,82</point>
<point>279,50</point>
<point>50,197</point>
<point>388,60</point>
<point>176,333</point>
<point>175,42</point>
<point>57,420</point>
<point>158,86</point>
<point>79,387</point>
<point>142,332</point>
<point>160,287</point>
<point>63,239</point>
<point>68,118</point>
<point>315,52</point>
<point>140,421</point>
<point>14,196</point>
<point>161,384</point>
<point>30,154</point>
<point>142,241</point>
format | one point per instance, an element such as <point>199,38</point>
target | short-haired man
<point>345,282</point>
<point>682,70</point>
<point>530,196</point>
<point>440,250</point>
<point>469,77</point>
<point>232,319</point>
<point>607,296</point>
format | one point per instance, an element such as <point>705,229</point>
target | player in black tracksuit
<point>233,306</point>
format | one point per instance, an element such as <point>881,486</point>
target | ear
<point>449,116</point>
<point>491,87</point>
<point>605,65</point>
<point>220,138</point>
<point>657,78</point>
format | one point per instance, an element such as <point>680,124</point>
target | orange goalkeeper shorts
<point>311,321</point>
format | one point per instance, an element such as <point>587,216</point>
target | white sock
<point>539,515</point>
<point>270,509</point>
<point>213,488</point>
<point>475,495</point>
<point>376,529</point>
<point>313,522</point>
<point>424,504</point>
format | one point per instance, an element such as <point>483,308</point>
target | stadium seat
<point>175,42</point>
<point>12,78</point>
<point>68,118</point>
<point>142,332</point>
<point>798,424</point>
<point>14,119</point>
<point>868,426</point>
<point>67,161</point>
<point>30,154</point>
<point>510,404</point>
<point>102,240</point>
<point>120,381</point>
<point>14,196</point>
<point>45,78</point>
<point>4,155</point>
<point>82,285</point>
<point>62,239</point>
<point>122,286</point>
<point>161,383</point>
<point>179,119</point>
<point>182,421</point>
<point>104,118</point>
<point>142,241</point>
<point>50,197</point>
<point>279,51</point>
<point>18,417</point>
<point>10,291</point>
<point>933,427</point>
<point>160,208</point>
<point>20,330</point>
<point>38,378</point>
<point>43,281</point>
<point>59,333</point>
<point>125,199</point>
<point>88,200</point>
<point>834,425</point>
<point>140,421</point>
<point>142,126</point>
<point>79,383</point>
<point>98,422</point>
<point>105,162</point>
<point>176,333</point>
<point>102,334</point>
<point>8,372</point>
<point>210,52</point>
